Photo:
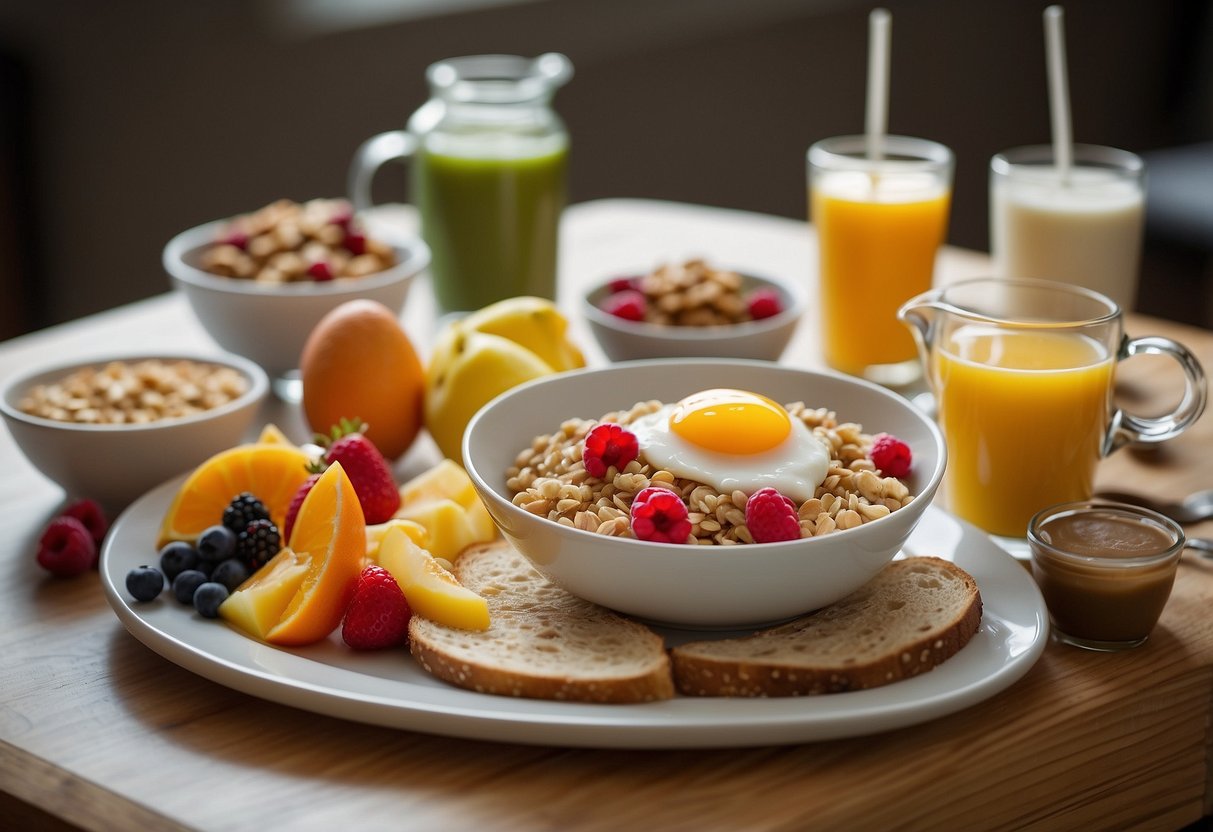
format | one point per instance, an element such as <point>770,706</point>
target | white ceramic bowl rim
<point>929,483</point>
<point>413,255</point>
<point>15,385</point>
<point>794,291</point>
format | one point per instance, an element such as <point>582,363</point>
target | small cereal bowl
<point>115,463</point>
<point>269,323</point>
<point>704,586</point>
<point>764,339</point>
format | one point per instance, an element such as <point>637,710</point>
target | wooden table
<point>97,731</point>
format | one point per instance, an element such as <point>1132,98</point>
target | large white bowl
<point>697,586</point>
<point>763,340</point>
<point>268,323</point>
<point>114,464</point>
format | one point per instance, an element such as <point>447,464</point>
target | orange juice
<point>1024,413</point>
<point>878,238</point>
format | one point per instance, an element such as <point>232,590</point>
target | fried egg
<point>734,440</point>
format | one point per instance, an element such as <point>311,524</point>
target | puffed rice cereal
<point>140,392</point>
<point>549,479</point>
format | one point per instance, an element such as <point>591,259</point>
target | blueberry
<point>176,557</point>
<point>144,583</point>
<point>215,544</point>
<point>207,598</point>
<point>231,573</point>
<point>185,584</point>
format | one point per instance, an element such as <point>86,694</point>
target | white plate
<point>389,689</point>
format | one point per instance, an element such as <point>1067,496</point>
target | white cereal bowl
<point>114,464</point>
<point>762,340</point>
<point>718,587</point>
<point>269,324</point>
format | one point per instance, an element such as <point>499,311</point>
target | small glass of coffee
<point>1105,570</point>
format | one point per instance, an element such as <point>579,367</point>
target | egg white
<point>795,467</point>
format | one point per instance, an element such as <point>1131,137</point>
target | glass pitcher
<point>1023,372</point>
<point>489,163</point>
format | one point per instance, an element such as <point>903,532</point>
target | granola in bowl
<point>565,477</point>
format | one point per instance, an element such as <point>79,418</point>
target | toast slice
<point>542,643</point>
<point>915,614</point>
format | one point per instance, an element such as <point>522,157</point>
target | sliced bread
<point>914,615</point>
<point>542,642</point>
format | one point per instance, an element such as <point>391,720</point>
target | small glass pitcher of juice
<point>489,161</point>
<point>1023,372</point>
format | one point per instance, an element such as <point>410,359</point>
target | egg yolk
<point>730,421</point>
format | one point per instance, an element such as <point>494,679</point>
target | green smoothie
<point>491,225</point>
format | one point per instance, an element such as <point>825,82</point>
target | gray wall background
<point>125,122</point>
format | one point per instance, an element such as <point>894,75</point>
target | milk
<point>1087,231</point>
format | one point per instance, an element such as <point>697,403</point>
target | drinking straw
<point>1059,90</point>
<point>879,22</point>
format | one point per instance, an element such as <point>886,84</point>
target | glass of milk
<point>1084,228</point>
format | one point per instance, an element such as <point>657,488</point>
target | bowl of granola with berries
<point>110,429</point>
<point>259,282</point>
<point>693,309</point>
<point>712,493</point>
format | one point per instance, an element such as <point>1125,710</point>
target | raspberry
<point>355,243</point>
<point>258,543</point>
<point>236,238</point>
<point>89,513</point>
<point>891,455</point>
<point>242,510</point>
<point>622,284</point>
<point>660,516</point>
<point>66,548</point>
<point>606,445</point>
<point>764,303</point>
<point>628,304</point>
<point>378,614</point>
<point>320,271</point>
<point>771,517</point>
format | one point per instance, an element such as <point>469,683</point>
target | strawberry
<point>292,511</point>
<point>365,466</point>
<point>378,614</point>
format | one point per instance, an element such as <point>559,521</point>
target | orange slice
<point>331,530</point>
<point>258,603</point>
<point>271,434</point>
<point>273,472</point>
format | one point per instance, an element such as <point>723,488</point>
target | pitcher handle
<point>373,154</point>
<point>1127,427</point>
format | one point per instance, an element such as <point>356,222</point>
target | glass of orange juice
<point>1023,374</point>
<point>880,220</point>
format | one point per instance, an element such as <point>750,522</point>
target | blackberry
<point>259,542</point>
<point>241,511</point>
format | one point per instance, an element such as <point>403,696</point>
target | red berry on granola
<point>771,517</point>
<point>608,445</point>
<point>764,303</point>
<point>660,516</point>
<point>891,455</point>
<point>628,304</point>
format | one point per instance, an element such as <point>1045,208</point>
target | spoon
<point>1192,509</point>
